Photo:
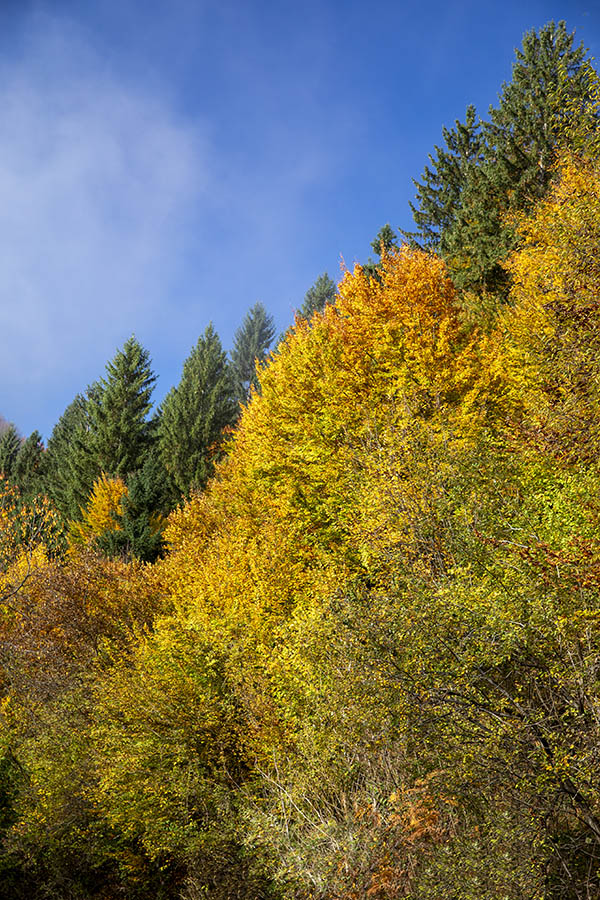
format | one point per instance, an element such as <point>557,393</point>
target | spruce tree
<point>520,140</point>
<point>250,346</point>
<point>143,515</point>
<point>28,470</point>
<point>120,433</point>
<point>195,413</point>
<point>70,466</point>
<point>438,197</point>
<point>104,431</point>
<point>318,296</point>
<point>60,480</point>
<point>10,443</point>
<point>491,170</point>
<point>384,241</point>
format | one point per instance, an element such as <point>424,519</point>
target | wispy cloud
<point>134,198</point>
<point>97,180</point>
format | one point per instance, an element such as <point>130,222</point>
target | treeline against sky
<point>111,452</point>
<point>345,643</point>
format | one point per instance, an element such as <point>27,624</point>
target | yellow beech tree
<point>553,327</point>
<point>101,513</point>
<point>376,671</point>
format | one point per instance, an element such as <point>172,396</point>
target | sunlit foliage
<point>367,665</point>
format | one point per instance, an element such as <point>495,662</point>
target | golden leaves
<point>101,513</point>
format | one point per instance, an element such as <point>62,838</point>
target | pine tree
<point>195,413</point>
<point>523,131</point>
<point>70,470</point>
<point>10,443</point>
<point>385,240</point>
<point>318,296</point>
<point>251,344</point>
<point>520,140</point>
<point>104,431</point>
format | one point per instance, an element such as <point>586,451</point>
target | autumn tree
<point>102,512</point>
<point>553,326</point>
<point>29,534</point>
<point>366,661</point>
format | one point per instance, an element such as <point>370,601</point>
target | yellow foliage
<point>274,524</point>
<point>27,532</point>
<point>327,471</point>
<point>553,327</point>
<point>101,513</point>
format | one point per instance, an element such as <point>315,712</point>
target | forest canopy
<point>329,627</point>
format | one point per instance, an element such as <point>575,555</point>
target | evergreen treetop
<point>10,443</point>
<point>194,414</point>
<point>250,346</point>
<point>489,170</point>
<point>321,293</point>
<point>28,470</point>
<point>119,426</point>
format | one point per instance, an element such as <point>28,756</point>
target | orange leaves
<point>406,317</point>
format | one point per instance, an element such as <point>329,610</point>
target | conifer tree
<point>318,296</point>
<point>195,413</point>
<point>105,431</point>
<point>251,344</point>
<point>28,468</point>
<point>385,240</point>
<point>119,427</point>
<point>69,468</point>
<point>142,517</point>
<point>10,443</point>
<point>495,168</point>
<point>57,474</point>
<point>439,194</point>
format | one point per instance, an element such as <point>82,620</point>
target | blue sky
<point>168,164</point>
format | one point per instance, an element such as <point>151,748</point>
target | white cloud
<point>97,179</point>
<point>119,214</point>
